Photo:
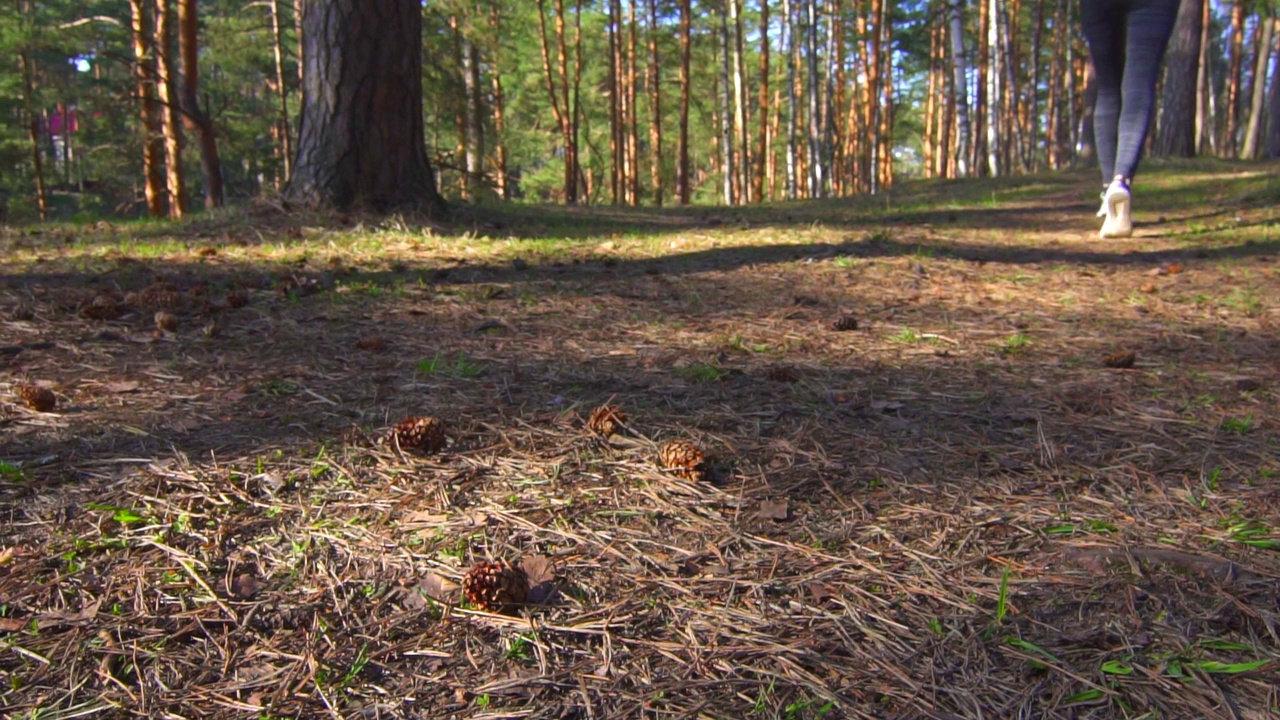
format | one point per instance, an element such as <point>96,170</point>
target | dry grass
<point>953,510</point>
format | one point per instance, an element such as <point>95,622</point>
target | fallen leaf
<point>7,554</point>
<point>1148,288</point>
<point>124,386</point>
<point>245,586</point>
<point>538,568</point>
<point>774,510</point>
<point>12,624</point>
<point>1172,269</point>
<point>431,587</point>
<point>372,343</point>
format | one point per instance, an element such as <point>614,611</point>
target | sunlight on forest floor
<point>964,458</point>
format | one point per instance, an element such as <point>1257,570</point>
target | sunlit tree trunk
<point>814,157</point>
<point>152,138</point>
<point>168,109</point>
<point>193,118</point>
<point>1236,48</point>
<point>728,166</point>
<point>473,114</point>
<point>789,44</point>
<point>742,183</point>
<point>960,85</point>
<point>762,142</point>
<point>1263,55</point>
<point>682,151</point>
<point>633,110</point>
<point>1273,100</point>
<point>277,46</point>
<point>884,31</point>
<point>655,102</point>
<point>1203,134</point>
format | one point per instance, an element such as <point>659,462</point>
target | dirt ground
<point>929,493</point>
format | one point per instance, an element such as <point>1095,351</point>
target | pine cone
<point>37,398</point>
<point>684,459</point>
<point>419,433</point>
<point>495,586</point>
<point>606,420</point>
<point>102,307</point>
<point>160,294</point>
<point>166,321</point>
<point>1120,359</point>
<point>845,323</point>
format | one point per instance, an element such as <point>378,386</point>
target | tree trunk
<point>1088,144</point>
<point>1202,80</point>
<point>473,119</point>
<point>1230,132</point>
<point>152,139</point>
<point>1273,104</point>
<point>726,113</point>
<point>1176,130</point>
<point>33,130</point>
<point>168,109</point>
<point>960,84</point>
<point>362,140</point>
<point>286,143</point>
<point>1254,129</point>
<point>615,102</point>
<point>884,29</point>
<point>682,152</point>
<point>499,110</point>
<point>789,45</point>
<point>762,142</point>
<point>193,118</point>
<point>816,170</point>
<point>655,101</point>
<point>633,116</point>
<point>740,119</point>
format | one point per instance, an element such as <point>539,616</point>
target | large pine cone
<point>37,398</point>
<point>495,586</point>
<point>684,459</point>
<point>160,295</point>
<point>606,420</point>
<point>425,434</point>
<point>102,307</point>
<point>1120,359</point>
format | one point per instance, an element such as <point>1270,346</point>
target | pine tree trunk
<point>655,102</point>
<point>473,119</point>
<point>1263,55</point>
<point>168,109</point>
<point>960,84</point>
<point>1273,101</point>
<point>362,141</point>
<point>499,109</point>
<point>816,170</point>
<point>277,46</point>
<point>884,29</point>
<point>1231,130</point>
<point>195,120</point>
<point>726,114</point>
<point>33,133</point>
<point>682,152</point>
<point>789,45</point>
<point>1202,131</point>
<point>152,138</point>
<point>762,142</point>
<point>740,116</point>
<point>1176,129</point>
<point>633,111</point>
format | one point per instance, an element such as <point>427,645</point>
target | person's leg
<point>1150,23</point>
<point>1104,29</point>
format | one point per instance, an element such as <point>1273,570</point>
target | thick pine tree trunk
<point>1273,104</point>
<point>960,95</point>
<point>762,143</point>
<point>655,102</point>
<point>361,142</point>
<point>473,115</point>
<point>192,117</point>
<point>1236,47</point>
<point>1176,132</point>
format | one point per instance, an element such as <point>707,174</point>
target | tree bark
<point>33,130</point>
<point>1230,132</point>
<point>362,140</point>
<point>655,101</point>
<point>633,117</point>
<point>195,120</point>
<point>762,142</point>
<point>286,143</point>
<point>168,108</point>
<point>152,138</point>
<point>1273,104</point>
<point>817,176</point>
<point>1202,80</point>
<point>960,85</point>
<point>1254,129</point>
<point>473,119</point>
<point>789,45</point>
<point>615,103</point>
<point>682,152</point>
<point>1176,130</point>
<point>726,113</point>
<point>499,109</point>
<point>740,116</point>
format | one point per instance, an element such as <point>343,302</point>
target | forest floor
<point>954,510</point>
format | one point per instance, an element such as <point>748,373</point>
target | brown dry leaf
<point>538,568</point>
<point>245,586</point>
<point>7,554</point>
<point>1148,288</point>
<point>1120,359</point>
<point>432,586</point>
<point>207,251</point>
<point>1172,269</point>
<point>372,343</point>
<point>123,386</point>
<point>12,624</point>
<point>774,510</point>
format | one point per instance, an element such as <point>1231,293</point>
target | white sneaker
<point>1118,204</point>
<point>1102,211</point>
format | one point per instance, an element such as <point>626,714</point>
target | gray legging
<point>1126,40</point>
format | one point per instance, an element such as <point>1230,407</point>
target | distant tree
<point>361,141</point>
